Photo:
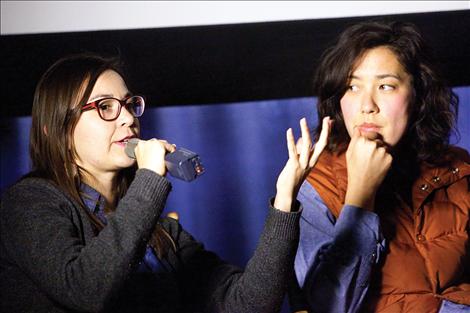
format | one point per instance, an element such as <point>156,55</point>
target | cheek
<point>397,115</point>
<point>136,127</point>
<point>82,142</point>
<point>89,139</point>
<point>349,112</point>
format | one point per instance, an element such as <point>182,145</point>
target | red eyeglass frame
<point>94,105</point>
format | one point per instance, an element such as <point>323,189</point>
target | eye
<point>353,88</point>
<point>105,105</point>
<point>387,87</point>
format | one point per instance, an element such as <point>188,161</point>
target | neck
<point>105,184</point>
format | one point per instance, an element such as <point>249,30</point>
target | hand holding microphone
<point>152,154</point>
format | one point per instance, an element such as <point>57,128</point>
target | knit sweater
<point>51,260</point>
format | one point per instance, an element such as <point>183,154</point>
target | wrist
<point>283,203</point>
<point>360,200</point>
<point>160,170</point>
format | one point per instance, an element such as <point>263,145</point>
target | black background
<point>216,64</point>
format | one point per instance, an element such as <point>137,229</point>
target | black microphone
<point>182,163</point>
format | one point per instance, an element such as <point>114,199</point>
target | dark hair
<point>433,106</point>
<point>61,92</point>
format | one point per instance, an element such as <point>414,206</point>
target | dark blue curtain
<point>242,146</point>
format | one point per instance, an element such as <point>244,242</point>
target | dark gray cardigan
<point>51,261</point>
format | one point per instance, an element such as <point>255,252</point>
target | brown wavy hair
<point>61,92</point>
<point>433,106</point>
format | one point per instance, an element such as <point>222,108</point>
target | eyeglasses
<point>110,108</point>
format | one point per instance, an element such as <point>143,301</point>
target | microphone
<point>182,163</point>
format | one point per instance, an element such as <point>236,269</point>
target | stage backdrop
<point>242,146</point>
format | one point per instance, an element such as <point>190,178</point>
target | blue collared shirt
<point>335,256</point>
<point>95,203</point>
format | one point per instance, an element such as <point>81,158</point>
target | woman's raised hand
<point>302,158</point>
<point>150,154</point>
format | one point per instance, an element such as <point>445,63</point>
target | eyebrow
<point>101,96</point>
<point>381,76</point>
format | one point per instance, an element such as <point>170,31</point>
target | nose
<point>368,103</point>
<point>125,117</point>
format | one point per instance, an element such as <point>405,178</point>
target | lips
<point>369,127</point>
<point>124,140</point>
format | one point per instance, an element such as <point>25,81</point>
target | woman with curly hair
<point>385,223</point>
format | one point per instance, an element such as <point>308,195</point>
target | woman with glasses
<point>83,231</point>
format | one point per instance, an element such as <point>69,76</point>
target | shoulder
<point>452,175</point>
<point>30,188</point>
<point>458,167</point>
<point>33,195</point>
<point>460,161</point>
<point>30,209</point>
<point>455,165</point>
<point>458,154</point>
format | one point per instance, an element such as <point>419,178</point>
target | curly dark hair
<point>433,105</point>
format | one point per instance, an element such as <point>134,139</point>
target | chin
<point>391,142</point>
<point>125,163</point>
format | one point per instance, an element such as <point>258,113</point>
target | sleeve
<point>451,307</point>
<point>335,258</point>
<point>40,236</point>
<point>215,286</point>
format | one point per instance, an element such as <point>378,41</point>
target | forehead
<point>109,83</point>
<point>377,61</point>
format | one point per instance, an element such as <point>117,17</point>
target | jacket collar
<point>330,177</point>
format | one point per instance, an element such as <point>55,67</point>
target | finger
<point>356,135</point>
<point>305,133</point>
<point>306,142</point>
<point>291,144</point>
<point>325,131</point>
<point>322,140</point>
<point>169,147</point>
<point>370,135</point>
<point>299,143</point>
